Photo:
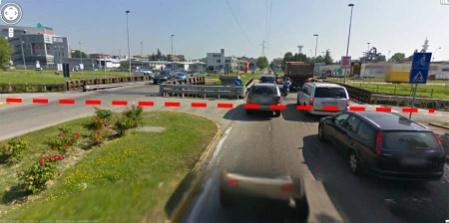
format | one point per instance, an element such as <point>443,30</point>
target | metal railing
<point>31,88</point>
<point>202,91</point>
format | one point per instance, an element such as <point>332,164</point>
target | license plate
<point>413,161</point>
<point>329,103</point>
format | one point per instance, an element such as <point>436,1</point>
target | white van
<point>325,98</point>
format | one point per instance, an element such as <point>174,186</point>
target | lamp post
<point>316,43</point>
<point>368,43</point>
<point>349,39</point>
<point>23,54</point>
<point>127,32</point>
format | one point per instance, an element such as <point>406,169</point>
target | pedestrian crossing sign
<point>420,68</point>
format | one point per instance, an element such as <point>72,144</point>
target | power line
<point>242,30</point>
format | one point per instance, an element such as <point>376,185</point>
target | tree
<point>78,54</point>
<point>5,53</point>
<point>262,62</point>
<point>327,58</point>
<point>397,58</point>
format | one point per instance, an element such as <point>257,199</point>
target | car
<point>148,73</point>
<point>325,98</point>
<point>264,96</point>
<point>385,144</point>
<point>162,77</point>
<point>283,189</point>
<point>267,79</point>
<point>181,76</point>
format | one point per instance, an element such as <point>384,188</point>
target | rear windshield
<point>409,140</point>
<point>267,79</point>
<point>267,90</point>
<point>324,92</point>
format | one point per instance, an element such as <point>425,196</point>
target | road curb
<point>182,197</point>
<point>439,125</point>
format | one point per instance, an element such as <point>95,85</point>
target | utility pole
<point>316,43</point>
<point>127,32</point>
<point>263,47</point>
<point>23,54</point>
<point>349,39</point>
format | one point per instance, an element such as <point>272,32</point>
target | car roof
<point>325,85</point>
<point>391,121</point>
<point>265,85</point>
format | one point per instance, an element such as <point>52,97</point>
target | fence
<point>31,88</point>
<point>202,91</point>
<point>190,80</point>
<point>79,84</point>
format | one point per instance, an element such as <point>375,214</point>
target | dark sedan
<point>385,144</point>
<point>162,77</point>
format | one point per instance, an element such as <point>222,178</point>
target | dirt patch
<point>150,129</point>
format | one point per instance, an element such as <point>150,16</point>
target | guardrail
<point>79,84</point>
<point>190,80</point>
<point>31,88</point>
<point>202,91</point>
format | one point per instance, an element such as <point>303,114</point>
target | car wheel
<point>277,113</point>
<point>354,163</point>
<point>302,208</point>
<point>321,134</point>
<point>225,199</point>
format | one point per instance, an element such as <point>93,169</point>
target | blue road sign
<point>420,68</point>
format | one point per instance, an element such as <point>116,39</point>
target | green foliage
<point>64,140</point>
<point>79,54</point>
<point>100,126</point>
<point>327,58</point>
<point>34,179</point>
<point>12,152</point>
<point>131,118</point>
<point>5,53</point>
<point>262,62</point>
<point>397,58</point>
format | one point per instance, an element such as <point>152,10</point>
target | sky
<point>240,26</point>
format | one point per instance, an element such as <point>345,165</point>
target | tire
<point>355,165</point>
<point>321,134</point>
<point>277,113</point>
<point>302,208</point>
<point>225,199</point>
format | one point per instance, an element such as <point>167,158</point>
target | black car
<point>385,144</point>
<point>162,77</point>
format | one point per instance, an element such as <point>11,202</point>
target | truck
<point>299,73</point>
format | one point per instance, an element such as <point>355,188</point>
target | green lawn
<point>49,77</point>
<point>214,78</point>
<point>125,180</point>
<point>424,90</point>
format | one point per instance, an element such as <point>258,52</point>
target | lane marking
<point>220,146</point>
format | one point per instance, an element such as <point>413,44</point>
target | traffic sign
<point>420,68</point>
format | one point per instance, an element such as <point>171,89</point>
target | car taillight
<point>311,100</point>
<point>379,140</point>
<point>438,139</point>
<point>232,182</point>
<point>288,187</point>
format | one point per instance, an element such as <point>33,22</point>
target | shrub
<point>100,126</point>
<point>34,179</point>
<point>103,118</point>
<point>64,140</point>
<point>131,118</point>
<point>12,152</point>
<point>97,136</point>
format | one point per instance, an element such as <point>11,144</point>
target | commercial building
<point>218,62</point>
<point>36,46</point>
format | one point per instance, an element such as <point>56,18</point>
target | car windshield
<point>267,79</point>
<point>330,92</point>
<point>409,140</point>
<point>263,90</point>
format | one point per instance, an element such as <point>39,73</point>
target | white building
<point>216,61</point>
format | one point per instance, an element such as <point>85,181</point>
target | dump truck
<point>299,73</point>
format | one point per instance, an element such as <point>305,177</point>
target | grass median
<point>124,180</point>
<point>49,77</point>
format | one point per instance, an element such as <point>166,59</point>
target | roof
<point>320,84</point>
<point>391,121</point>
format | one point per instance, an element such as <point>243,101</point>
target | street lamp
<point>368,46</point>
<point>171,41</point>
<point>316,43</point>
<point>349,39</point>
<point>127,32</point>
<point>23,54</point>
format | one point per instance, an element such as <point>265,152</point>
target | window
<point>352,124</point>
<point>366,134</point>
<point>264,90</point>
<point>409,140</point>
<point>341,119</point>
<point>324,92</point>
<point>218,61</point>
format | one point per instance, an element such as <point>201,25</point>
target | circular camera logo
<point>11,13</point>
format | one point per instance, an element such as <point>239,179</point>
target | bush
<point>35,178</point>
<point>131,118</point>
<point>12,152</point>
<point>100,126</point>
<point>64,140</point>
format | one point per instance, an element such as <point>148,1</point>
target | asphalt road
<point>263,146</point>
